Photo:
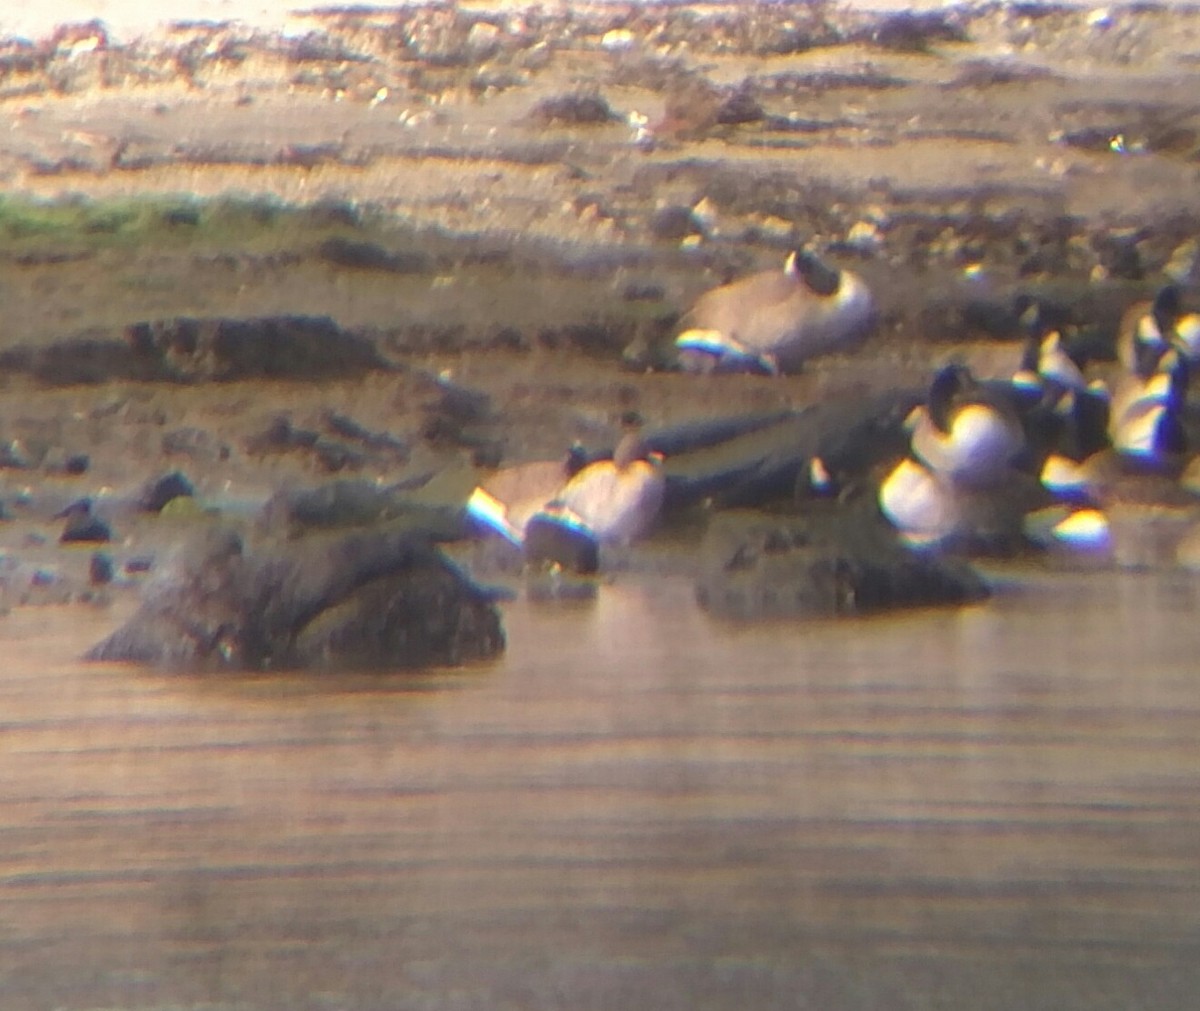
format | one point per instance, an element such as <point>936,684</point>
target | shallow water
<point>639,806</point>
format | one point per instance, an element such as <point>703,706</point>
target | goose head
<point>818,277</point>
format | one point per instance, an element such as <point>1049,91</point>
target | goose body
<point>1146,418</point>
<point>1055,368</point>
<point>508,499</point>
<point>775,320</point>
<point>963,432</point>
<point>921,504</point>
<point>618,500</point>
<point>1149,329</point>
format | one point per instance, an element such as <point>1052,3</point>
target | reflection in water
<point>639,806</point>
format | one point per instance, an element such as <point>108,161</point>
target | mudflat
<point>530,200</point>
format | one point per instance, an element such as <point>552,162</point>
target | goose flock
<point>1063,442</point>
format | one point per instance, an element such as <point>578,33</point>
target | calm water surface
<point>639,807</point>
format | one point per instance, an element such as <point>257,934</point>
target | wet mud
<point>526,202</point>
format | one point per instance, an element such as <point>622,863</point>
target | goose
<point>83,525</point>
<point>1147,412</point>
<point>1148,329</point>
<point>617,500</point>
<point>775,320</point>
<point>920,503</point>
<point>1146,440</point>
<point>1046,365</point>
<point>507,500</point>
<point>965,432</point>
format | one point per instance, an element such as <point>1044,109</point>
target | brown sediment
<point>398,173</point>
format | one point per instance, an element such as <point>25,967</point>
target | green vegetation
<point>79,224</point>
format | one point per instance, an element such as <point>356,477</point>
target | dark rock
<point>178,216</point>
<point>196,443</point>
<point>764,463</point>
<point>337,456</point>
<point>346,427</point>
<point>1120,257</point>
<point>370,256</point>
<point>637,291</point>
<point>674,222</point>
<point>586,108</point>
<point>1091,138</point>
<point>376,599</point>
<point>13,456</point>
<point>76,464</point>
<point>550,543</point>
<point>358,503</point>
<point>915,32</point>
<point>78,360</point>
<point>83,525</point>
<point>794,85</point>
<point>300,347</point>
<point>830,563</point>
<point>162,490</point>
<point>460,402</point>
<point>100,569</point>
<point>281,435</point>
<point>983,73</point>
<point>739,106</point>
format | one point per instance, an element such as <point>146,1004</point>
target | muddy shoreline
<point>527,200</point>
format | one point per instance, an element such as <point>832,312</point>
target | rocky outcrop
<point>302,347</point>
<point>186,349</point>
<point>830,563</point>
<point>377,599</point>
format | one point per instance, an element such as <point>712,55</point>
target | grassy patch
<point>78,224</point>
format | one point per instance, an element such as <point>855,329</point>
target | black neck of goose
<point>1030,318</point>
<point>1146,356</point>
<point>1166,309</point>
<point>576,459</point>
<point>1169,435</point>
<point>1180,373</point>
<point>819,278</point>
<point>629,450</point>
<point>1086,431</point>
<point>1031,354</point>
<point>946,384</point>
